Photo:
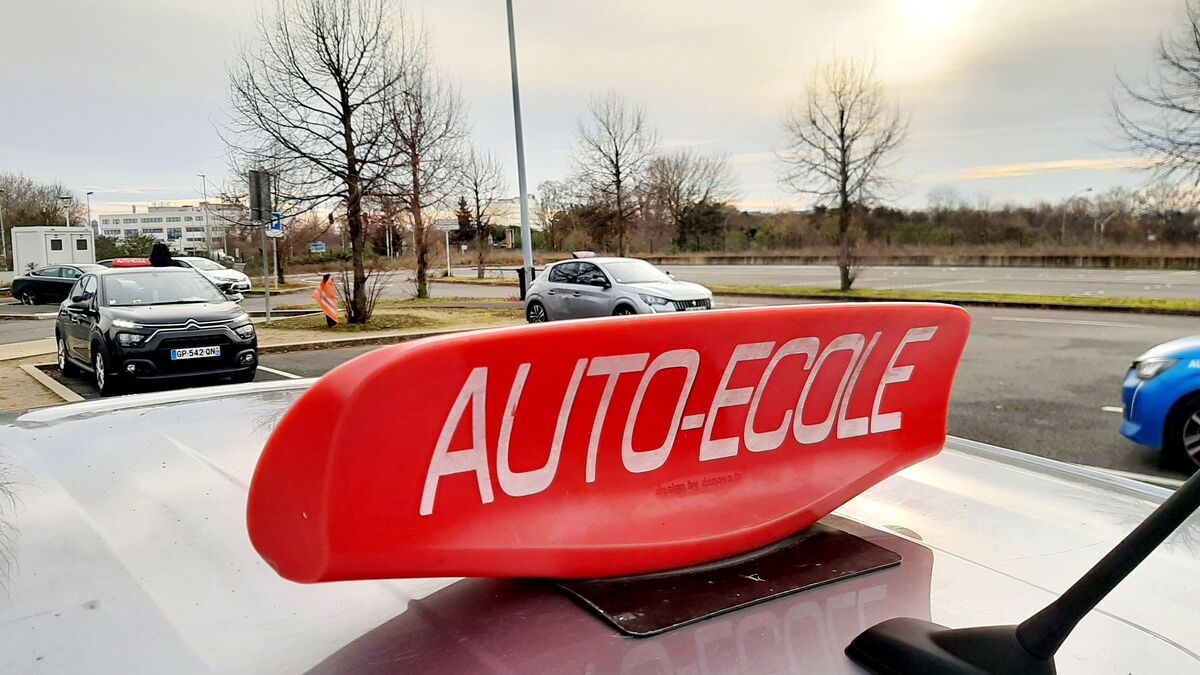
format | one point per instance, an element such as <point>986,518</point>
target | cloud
<point>1027,168</point>
<point>760,157</point>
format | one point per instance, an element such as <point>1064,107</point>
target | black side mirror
<point>79,304</point>
<point>600,282</point>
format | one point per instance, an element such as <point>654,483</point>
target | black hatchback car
<point>153,323</point>
<point>49,284</point>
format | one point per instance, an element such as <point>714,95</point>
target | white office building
<point>180,227</point>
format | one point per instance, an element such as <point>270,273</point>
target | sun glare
<point>932,11</point>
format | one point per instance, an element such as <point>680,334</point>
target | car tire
<point>105,381</point>
<point>244,376</point>
<point>624,310</point>
<point>28,297</point>
<point>65,367</point>
<point>536,313</point>
<point>1183,425</point>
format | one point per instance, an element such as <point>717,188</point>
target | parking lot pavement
<point>83,384</point>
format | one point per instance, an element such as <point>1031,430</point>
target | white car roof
<point>128,549</point>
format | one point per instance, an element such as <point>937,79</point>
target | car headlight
<point>1148,369</point>
<point>240,318</point>
<point>130,339</point>
<point>245,332</point>
<point>653,300</point>
<point>123,323</point>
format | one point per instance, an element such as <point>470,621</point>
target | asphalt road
<point>1043,382</point>
<point>1022,280</point>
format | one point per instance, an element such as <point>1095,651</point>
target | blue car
<point>1162,401</point>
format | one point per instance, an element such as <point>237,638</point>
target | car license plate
<point>194,353</point>
<point>694,308</point>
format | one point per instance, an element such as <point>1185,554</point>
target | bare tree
<point>841,136</point>
<point>678,181</point>
<point>483,181</point>
<point>312,91</point>
<point>427,131</point>
<point>613,148</point>
<point>1159,119</point>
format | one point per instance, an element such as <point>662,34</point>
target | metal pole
<point>207,229</point>
<point>88,197</point>
<point>275,259</point>
<point>3,237</point>
<point>447,254</point>
<point>1062,230</point>
<point>266,269</point>
<point>526,237</point>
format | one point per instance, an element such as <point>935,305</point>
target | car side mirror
<point>235,296</point>
<point>600,282</point>
<point>79,304</point>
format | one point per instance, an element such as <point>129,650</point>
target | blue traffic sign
<point>275,227</point>
<point>316,247</point>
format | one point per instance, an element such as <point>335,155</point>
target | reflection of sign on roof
<point>600,448</point>
<point>446,225</point>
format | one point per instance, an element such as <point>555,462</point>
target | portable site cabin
<point>38,246</point>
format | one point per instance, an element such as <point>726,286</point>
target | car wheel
<point>1181,438</point>
<point>536,313</point>
<point>28,297</point>
<point>624,310</point>
<point>106,382</point>
<point>244,376</point>
<point>65,367</point>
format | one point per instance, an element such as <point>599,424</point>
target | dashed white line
<point>1069,322</point>
<point>1112,409</point>
<point>290,376</point>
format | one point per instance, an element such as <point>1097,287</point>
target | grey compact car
<point>591,287</point>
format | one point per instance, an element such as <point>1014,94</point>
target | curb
<point>980,303</point>
<point>946,301</point>
<point>35,371</point>
<point>335,343</point>
<point>40,316</point>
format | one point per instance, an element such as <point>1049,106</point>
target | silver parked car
<point>590,287</point>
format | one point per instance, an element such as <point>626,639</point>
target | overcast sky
<point>1008,100</point>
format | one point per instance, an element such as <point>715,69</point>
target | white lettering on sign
<point>531,482</point>
<point>474,458</point>
<point>1194,363</point>
<point>834,419</point>
<point>895,375</point>
<point>641,461</point>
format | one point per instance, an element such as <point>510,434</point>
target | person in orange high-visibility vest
<point>326,297</point>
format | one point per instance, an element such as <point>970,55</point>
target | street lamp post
<point>88,197</point>
<point>66,200</point>
<point>526,237</point>
<point>1062,230</point>
<point>207,218</point>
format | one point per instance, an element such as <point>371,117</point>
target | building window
<point>56,244</point>
<point>104,222</point>
<point>81,244</point>
<point>173,219</point>
<point>129,221</point>
<point>174,233</point>
<point>152,230</point>
<point>188,218</point>
<point>195,229</point>
<point>131,234</point>
<point>112,233</point>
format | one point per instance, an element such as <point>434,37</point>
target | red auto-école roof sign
<point>600,448</point>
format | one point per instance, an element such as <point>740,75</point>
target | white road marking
<point>280,373</point>
<point>1161,481</point>
<point>1070,322</point>
<point>1112,409</point>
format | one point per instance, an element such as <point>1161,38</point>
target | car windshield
<point>204,264</point>
<point>159,288</point>
<point>635,272</point>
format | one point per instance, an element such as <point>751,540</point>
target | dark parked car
<point>49,284</point>
<point>153,323</point>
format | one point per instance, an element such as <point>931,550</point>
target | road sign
<point>446,225</point>
<point>316,247</point>
<point>275,227</point>
<point>723,431</point>
<point>260,196</point>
